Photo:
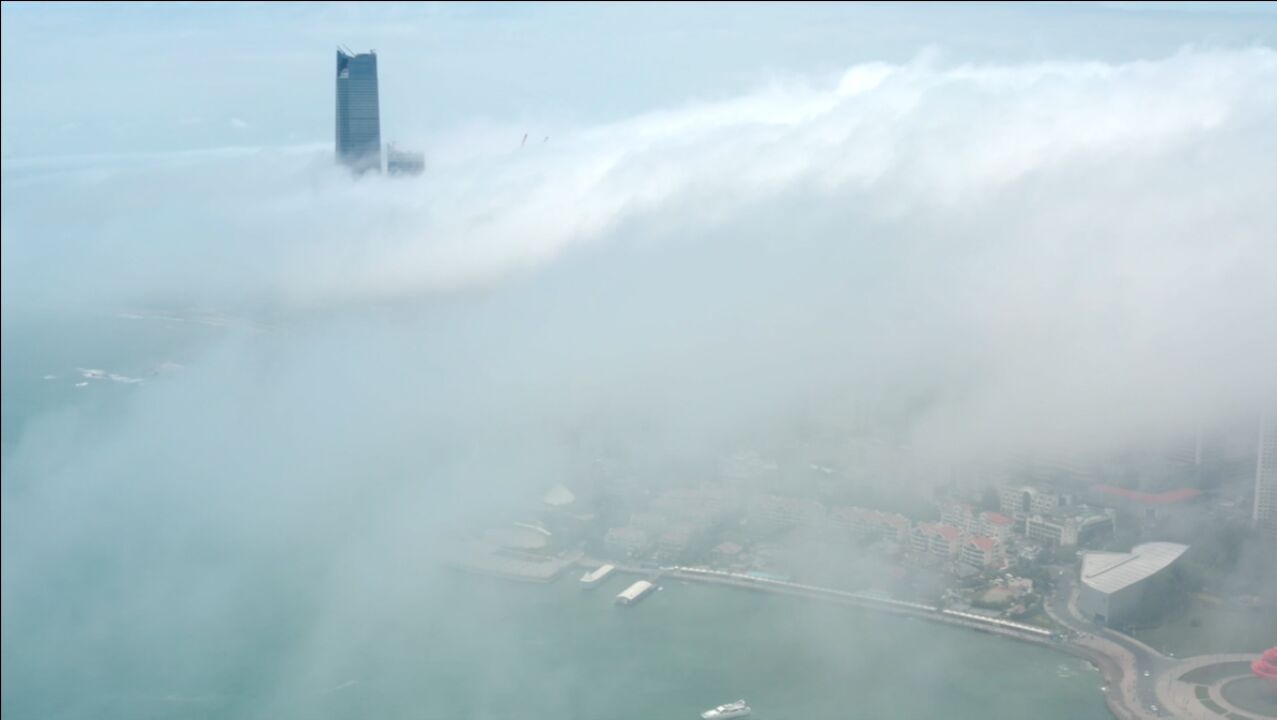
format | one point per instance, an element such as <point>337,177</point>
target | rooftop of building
<point>728,548</point>
<point>1110,572</point>
<point>894,519</point>
<point>996,518</point>
<point>1085,513</point>
<point>1167,497</point>
<point>982,542</point>
<point>558,496</point>
<point>681,532</point>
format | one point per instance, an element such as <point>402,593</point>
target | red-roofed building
<point>894,525</point>
<point>983,552</point>
<point>995,525</point>
<point>920,538</point>
<point>942,541</point>
<point>1169,497</point>
<point>1148,505</point>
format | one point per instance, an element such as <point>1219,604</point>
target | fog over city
<point>253,401</point>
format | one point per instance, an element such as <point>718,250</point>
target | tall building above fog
<point>358,112</point>
<point>1265,510</point>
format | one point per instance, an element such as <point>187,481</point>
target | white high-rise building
<point>1265,510</point>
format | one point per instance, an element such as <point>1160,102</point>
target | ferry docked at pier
<point>635,592</point>
<point>595,577</point>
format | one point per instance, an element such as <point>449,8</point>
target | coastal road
<point>1141,681</point>
<point>1141,665</point>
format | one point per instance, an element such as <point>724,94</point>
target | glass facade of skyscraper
<point>358,116</point>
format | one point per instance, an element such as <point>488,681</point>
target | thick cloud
<point>1059,228</point>
<point>1003,256</point>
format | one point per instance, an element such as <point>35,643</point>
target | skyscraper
<point>1265,509</point>
<point>358,116</point>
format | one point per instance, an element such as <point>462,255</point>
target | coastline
<point>1112,669</point>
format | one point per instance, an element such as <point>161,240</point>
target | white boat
<point>731,710</point>
<point>593,578</point>
<point>635,592</point>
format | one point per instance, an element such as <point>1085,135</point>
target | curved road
<point>1143,669</point>
<point>1141,665</point>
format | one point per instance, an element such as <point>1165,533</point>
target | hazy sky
<point>82,78</point>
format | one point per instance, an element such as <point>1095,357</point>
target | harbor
<point>701,643</point>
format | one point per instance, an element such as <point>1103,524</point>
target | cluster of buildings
<point>761,515</point>
<point>1053,518</point>
<point>674,521</point>
<point>358,136</point>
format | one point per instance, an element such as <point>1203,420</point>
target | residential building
<point>626,541</point>
<point>649,522</point>
<point>703,505</point>
<point>774,512</point>
<point>894,525</point>
<point>981,551</point>
<point>1021,501</point>
<point>866,523</point>
<point>674,541</point>
<point>959,514</point>
<point>937,540</point>
<point>855,521</point>
<point>1070,526</point>
<point>995,525</point>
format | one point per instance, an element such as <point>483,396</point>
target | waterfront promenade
<point>1140,683</point>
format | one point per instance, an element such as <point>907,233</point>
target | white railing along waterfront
<point>973,618</point>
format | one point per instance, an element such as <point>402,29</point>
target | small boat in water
<point>731,710</point>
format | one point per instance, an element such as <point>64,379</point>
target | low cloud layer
<point>998,257</point>
<point>1051,229</point>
